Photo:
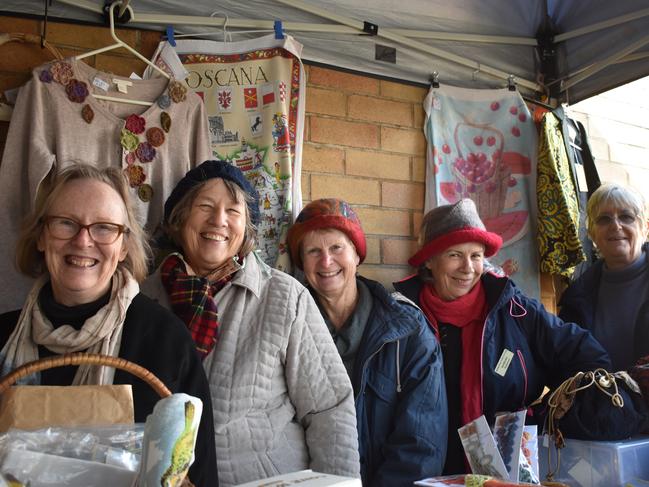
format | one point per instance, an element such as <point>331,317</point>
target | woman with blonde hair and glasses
<point>611,298</point>
<point>87,252</point>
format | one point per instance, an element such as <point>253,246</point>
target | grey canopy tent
<point>567,50</point>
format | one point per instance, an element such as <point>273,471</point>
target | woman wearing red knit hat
<point>389,351</point>
<point>500,347</point>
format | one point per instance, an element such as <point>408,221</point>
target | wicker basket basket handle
<point>84,358</point>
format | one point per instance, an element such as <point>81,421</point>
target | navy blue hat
<point>210,170</point>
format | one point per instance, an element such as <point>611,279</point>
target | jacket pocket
<point>383,387</point>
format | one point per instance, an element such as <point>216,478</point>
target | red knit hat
<point>322,214</point>
<point>449,225</point>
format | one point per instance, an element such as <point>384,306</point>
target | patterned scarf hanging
<point>192,299</point>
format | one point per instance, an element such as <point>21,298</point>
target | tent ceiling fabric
<point>625,46</point>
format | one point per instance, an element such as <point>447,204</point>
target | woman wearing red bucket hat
<point>500,347</point>
<point>389,351</point>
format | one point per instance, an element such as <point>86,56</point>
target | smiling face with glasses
<point>83,240</point>
<point>619,234</point>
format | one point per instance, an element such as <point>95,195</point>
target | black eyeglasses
<point>101,232</point>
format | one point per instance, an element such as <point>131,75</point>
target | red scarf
<point>192,300</point>
<point>467,312</point>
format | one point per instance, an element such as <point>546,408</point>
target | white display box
<point>305,478</point>
<point>599,463</point>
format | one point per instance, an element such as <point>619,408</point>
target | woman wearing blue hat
<point>281,397</point>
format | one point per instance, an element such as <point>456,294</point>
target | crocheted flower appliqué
<point>129,140</point>
<point>62,72</point>
<point>155,136</point>
<point>145,152</point>
<point>130,158</point>
<point>45,76</point>
<point>145,192</point>
<point>76,90</point>
<point>135,175</point>
<point>135,123</point>
<point>164,101</point>
<point>87,113</point>
<point>165,121</point>
<point>177,91</point>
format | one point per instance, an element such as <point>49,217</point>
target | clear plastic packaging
<point>101,456</point>
<point>117,445</point>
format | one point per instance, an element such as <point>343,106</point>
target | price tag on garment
<point>581,178</point>
<point>100,83</point>
<point>503,362</point>
<point>122,85</point>
<point>437,103</point>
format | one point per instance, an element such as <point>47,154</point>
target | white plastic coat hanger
<point>119,43</point>
<point>227,35</point>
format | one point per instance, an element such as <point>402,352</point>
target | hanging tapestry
<point>481,145</point>
<point>254,94</point>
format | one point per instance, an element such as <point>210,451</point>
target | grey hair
<point>619,195</point>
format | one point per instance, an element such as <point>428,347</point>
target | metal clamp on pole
<point>125,14</point>
<point>434,79</point>
<point>511,84</point>
<point>369,28</point>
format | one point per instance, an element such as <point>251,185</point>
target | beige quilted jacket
<point>281,396</point>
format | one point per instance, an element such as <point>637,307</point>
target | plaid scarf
<point>192,299</point>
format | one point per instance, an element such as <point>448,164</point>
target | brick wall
<point>617,123</point>
<point>18,59</point>
<point>364,143</point>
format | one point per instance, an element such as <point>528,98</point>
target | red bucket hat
<point>449,225</point>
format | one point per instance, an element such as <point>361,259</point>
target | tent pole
<point>347,26</point>
<point>308,27</point>
<point>602,25</point>
<point>573,80</point>
<point>84,4</point>
<point>388,34</point>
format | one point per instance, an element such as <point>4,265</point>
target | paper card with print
<point>508,431</point>
<point>481,450</point>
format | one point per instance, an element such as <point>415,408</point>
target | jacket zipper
<point>362,391</point>
<point>522,360</point>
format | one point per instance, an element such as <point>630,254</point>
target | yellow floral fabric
<point>558,209</point>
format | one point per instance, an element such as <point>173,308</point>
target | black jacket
<point>156,339</point>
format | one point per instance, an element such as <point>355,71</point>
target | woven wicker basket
<point>84,358</point>
<point>92,359</point>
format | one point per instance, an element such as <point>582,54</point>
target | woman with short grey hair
<point>611,298</point>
